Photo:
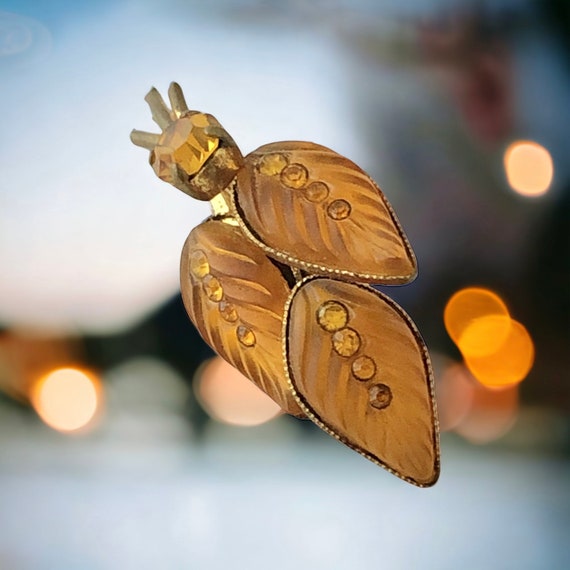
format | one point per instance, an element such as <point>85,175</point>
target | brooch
<point>277,279</point>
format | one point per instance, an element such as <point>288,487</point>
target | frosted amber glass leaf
<point>321,213</point>
<point>238,305</point>
<point>377,399</point>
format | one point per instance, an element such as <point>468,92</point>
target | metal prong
<point>144,139</point>
<point>160,113</point>
<point>220,133</point>
<point>177,101</point>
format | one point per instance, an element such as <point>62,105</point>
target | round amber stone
<point>346,342</point>
<point>339,209</point>
<point>332,316</point>
<point>199,265</point>
<point>363,368</point>
<point>272,164</point>
<point>213,288</point>
<point>380,396</point>
<point>245,336</point>
<point>316,191</point>
<point>294,176</point>
<point>228,311</point>
<point>184,144</point>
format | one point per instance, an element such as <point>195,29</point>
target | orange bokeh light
<point>66,399</point>
<point>497,350</point>
<point>529,168</point>
<point>229,397</point>
<point>509,364</point>
<point>464,320</point>
<point>484,336</point>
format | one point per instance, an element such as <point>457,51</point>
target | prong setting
<point>144,139</point>
<point>177,101</point>
<point>161,115</point>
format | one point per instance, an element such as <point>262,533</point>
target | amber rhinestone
<point>339,209</point>
<point>332,316</point>
<point>380,396</point>
<point>363,368</point>
<point>294,176</point>
<point>272,164</point>
<point>245,336</point>
<point>199,265</point>
<point>346,342</point>
<point>213,288</point>
<point>184,144</point>
<point>316,191</point>
<point>228,311</point>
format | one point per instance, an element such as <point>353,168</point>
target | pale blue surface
<point>257,503</point>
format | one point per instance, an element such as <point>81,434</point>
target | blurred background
<point>124,442</point>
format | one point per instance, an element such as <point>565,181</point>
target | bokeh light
<point>454,392</point>
<point>66,399</point>
<point>509,364</point>
<point>484,336</point>
<point>497,350</point>
<point>492,414</point>
<point>229,397</point>
<point>529,168</point>
<point>477,320</point>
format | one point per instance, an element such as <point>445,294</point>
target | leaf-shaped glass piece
<point>315,209</point>
<point>361,371</point>
<point>235,296</point>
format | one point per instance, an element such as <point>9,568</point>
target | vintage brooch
<point>276,283</point>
